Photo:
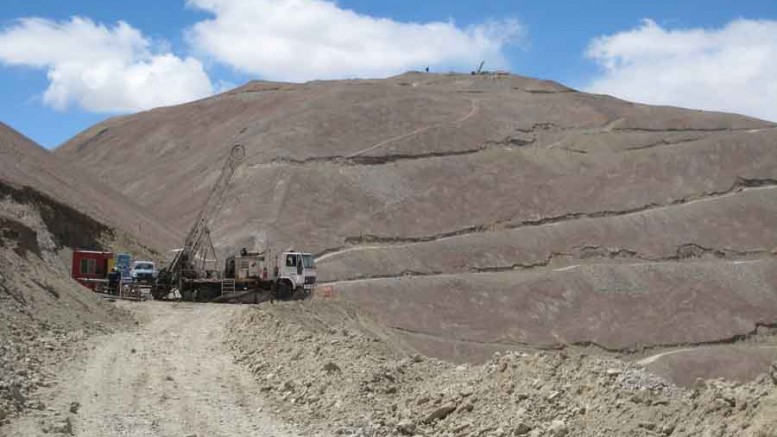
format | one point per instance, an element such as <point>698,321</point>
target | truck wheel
<point>284,290</point>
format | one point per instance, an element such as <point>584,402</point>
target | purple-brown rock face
<point>479,212</point>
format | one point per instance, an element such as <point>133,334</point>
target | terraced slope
<point>481,212</point>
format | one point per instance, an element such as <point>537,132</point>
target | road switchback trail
<point>170,377</point>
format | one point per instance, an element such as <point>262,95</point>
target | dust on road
<point>170,377</point>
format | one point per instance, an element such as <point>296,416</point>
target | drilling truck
<point>195,274</point>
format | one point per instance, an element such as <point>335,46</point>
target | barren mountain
<point>474,213</point>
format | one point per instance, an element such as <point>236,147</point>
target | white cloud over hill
<point>101,69</point>
<point>731,69</point>
<point>298,40</point>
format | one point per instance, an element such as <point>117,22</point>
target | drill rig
<point>189,266</point>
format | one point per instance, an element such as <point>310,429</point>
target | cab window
<point>308,262</point>
<point>291,261</point>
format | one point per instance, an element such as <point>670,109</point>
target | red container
<point>90,267</point>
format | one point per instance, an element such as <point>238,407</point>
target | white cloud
<point>101,69</point>
<point>299,40</point>
<point>731,69</point>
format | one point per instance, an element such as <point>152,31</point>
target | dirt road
<point>170,377</point>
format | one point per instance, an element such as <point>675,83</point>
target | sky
<point>66,65</point>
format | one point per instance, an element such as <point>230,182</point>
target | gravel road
<point>170,377</point>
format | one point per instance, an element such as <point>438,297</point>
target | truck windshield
<point>144,266</point>
<point>308,262</point>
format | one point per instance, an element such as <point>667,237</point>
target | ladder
<point>227,286</point>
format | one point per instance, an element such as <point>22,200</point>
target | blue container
<point>124,264</point>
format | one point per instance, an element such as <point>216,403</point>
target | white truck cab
<point>296,271</point>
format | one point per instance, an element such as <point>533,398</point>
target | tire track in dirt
<point>173,377</point>
<point>653,358</point>
<point>475,108</point>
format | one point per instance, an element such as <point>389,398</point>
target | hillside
<point>474,213</point>
<point>47,209</point>
<point>29,167</point>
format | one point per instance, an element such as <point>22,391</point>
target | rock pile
<point>26,352</point>
<point>350,381</point>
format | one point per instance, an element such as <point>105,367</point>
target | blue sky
<point>689,48</point>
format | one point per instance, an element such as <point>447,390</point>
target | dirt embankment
<point>37,171</point>
<point>332,370</point>
<point>44,314</point>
